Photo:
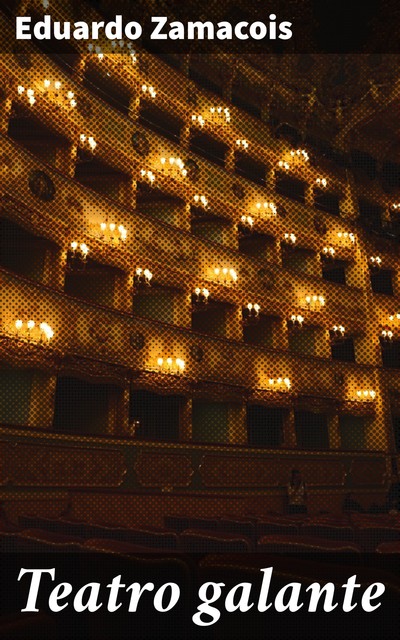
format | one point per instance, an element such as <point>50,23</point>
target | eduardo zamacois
<point>161,29</point>
<point>291,597</point>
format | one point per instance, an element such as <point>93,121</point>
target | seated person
<point>297,494</point>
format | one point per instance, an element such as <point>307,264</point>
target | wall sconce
<point>289,239</point>
<point>251,313</point>
<point>225,275</point>
<point>246,224</point>
<point>142,278</point>
<point>77,256</point>
<point>268,207</point>
<point>395,206</point>
<point>314,303</point>
<point>345,237</point>
<point>327,253</point>
<point>149,91</point>
<point>53,90</point>
<point>200,297</point>
<point>395,317</point>
<point>242,144</point>
<point>279,384</point>
<point>201,201</point>
<point>387,335</point>
<point>30,94</point>
<point>284,165</point>
<point>337,333</point>
<point>365,395</point>
<point>31,331</point>
<point>109,232</point>
<point>296,321</point>
<point>220,115</point>
<point>198,119</point>
<point>174,167</point>
<point>87,142</point>
<point>300,154</point>
<point>148,176</point>
<point>375,262</point>
<point>321,182</point>
<point>96,49</point>
<point>171,365</point>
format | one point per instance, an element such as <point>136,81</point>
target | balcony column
<point>5,114</point>
<point>184,138</point>
<point>334,432</point>
<point>230,160</point>
<point>66,158</point>
<point>234,324</point>
<point>41,408</point>
<point>185,430</point>
<point>270,179</point>
<point>122,427</point>
<point>123,293</point>
<point>349,202</point>
<point>309,195</point>
<point>134,106</point>
<point>237,424</point>
<point>289,432</point>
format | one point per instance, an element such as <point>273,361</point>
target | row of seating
<point>188,541</point>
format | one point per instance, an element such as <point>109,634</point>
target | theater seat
<point>307,544</point>
<point>199,541</point>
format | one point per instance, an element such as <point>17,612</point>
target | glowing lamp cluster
<point>173,166</point>
<point>29,93</point>
<point>149,91</point>
<point>282,164</point>
<point>148,176</point>
<point>338,330</point>
<point>171,365</point>
<point>200,296</point>
<point>87,141</point>
<point>225,275</point>
<point>220,115</point>
<point>395,317</point>
<point>251,312</point>
<point>300,154</point>
<point>242,144</point>
<point>387,335</point>
<point>365,395</point>
<point>375,262</point>
<point>279,384</point>
<point>296,321</point>
<point>110,232</point>
<point>247,222</point>
<point>198,120</point>
<point>200,200</point>
<point>346,236</point>
<point>142,277</point>
<point>395,206</point>
<point>289,239</point>
<point>53,89</point>
<point>328,252</point>
<point>30,330</point>
<point>321,182</point>
<point>80,249</point>
<point>268,207</point>
<point>314,303</point>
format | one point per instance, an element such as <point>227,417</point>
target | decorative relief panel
<point>41,185</point>
<point>165,471</point>
<point>32,465</point>
<point>244,471</point>
<point>18,353</point>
